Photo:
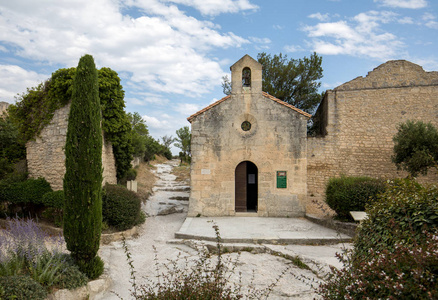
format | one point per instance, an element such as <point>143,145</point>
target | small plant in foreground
<point>395,254</point>
<point>23,252</point>
<point>203,278</point>
<point>408,272</point>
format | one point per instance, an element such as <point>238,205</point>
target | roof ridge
<point>266,95</point>
<point>286,104</point>
<point>207,108</point>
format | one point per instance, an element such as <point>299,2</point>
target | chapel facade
<point>249,152</point>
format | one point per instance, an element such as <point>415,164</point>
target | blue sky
<point>171,54</point>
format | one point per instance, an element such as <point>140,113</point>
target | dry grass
<point>145,180</point>
<point>182,173</point>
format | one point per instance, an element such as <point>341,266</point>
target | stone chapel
<point>251,155</point>
<point>249,152</point>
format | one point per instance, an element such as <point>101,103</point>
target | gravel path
<point>165,218</point>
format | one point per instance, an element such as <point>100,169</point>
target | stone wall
<point>358,120</point>
<point>3,107</point>
<point>46,158</point>
<point>275,142</point>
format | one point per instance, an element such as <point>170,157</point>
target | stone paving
<point>260,263</point>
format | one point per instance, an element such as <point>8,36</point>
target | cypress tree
<point>83,176</point>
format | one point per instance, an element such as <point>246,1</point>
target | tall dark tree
<point>294,81</point>
<point>83,176</point>
<point>416,147</point>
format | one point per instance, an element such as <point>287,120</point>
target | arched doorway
<point>246,187</point>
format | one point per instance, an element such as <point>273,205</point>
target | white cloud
<point>216,7</point>
<point>320,17</point>
<point>14,79</point>
<point>293,48</point>
<point>406,20</point>
<point>157,123</point>
<point>148,47</point>
<point>430,20</point>
<point>187,109</point>
<point>428,17</point>
<point>260,40</point>
<point>432,24</point>
<point>413,4</point>
<point>361,36</point>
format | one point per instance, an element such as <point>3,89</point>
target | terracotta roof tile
<point>263,93</point>
<point>207,108</point>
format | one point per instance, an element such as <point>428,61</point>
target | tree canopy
<point>294,81</point>
<point>183,141</point>
<point>35,108</point>
<point>416,147</point>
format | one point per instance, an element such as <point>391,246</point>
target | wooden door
<point>240,187</point>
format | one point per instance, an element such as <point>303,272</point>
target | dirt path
<point>166,215</point>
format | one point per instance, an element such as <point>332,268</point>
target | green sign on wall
<point>281,179</point>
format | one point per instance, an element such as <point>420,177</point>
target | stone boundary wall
<point>3,107</point>
<point>359,119</point>
<point>46,158</point>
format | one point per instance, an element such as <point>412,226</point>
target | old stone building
<point>251,154</point>
<point>45,155</point>
<point>358,119</point>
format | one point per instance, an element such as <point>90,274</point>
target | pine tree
<point>83,176</point>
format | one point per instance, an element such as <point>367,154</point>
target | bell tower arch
<point>246,76</point>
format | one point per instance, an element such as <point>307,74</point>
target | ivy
<point>35,109</point>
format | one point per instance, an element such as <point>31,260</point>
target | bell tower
<point>246,76</point>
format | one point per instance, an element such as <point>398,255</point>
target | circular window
<point>246,126</point>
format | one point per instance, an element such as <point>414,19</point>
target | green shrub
<point>131,174</point>
<point>22,287</point>
<point>54,199</point>
<point>54,203</point>
<point>400,215</point>
<point>120,207</point>
<point>83,164</point>
<point>29,191</point>
<point>92,268</point>
<point>347,194</point>
<point>406,272</point>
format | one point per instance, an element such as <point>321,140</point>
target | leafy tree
<point>183,141</point>
<point>294,81</point>
<point>139,133</point>
<point>167,140</point>
<point>35,110</point>
<point>83,176</point>
<point>416,147</point>
<point>11,148</point>
<point>115,121</point>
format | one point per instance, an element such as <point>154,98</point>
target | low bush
<point>29,191</point>
<point>400,215</point>
<point>131,174</point>
<point>22,287</point>
<point>121,208</point>
<point>395,254</point>
<point>54,199</point>
<point>406,272</point>
<point>347,194</point>
<point>93,268</point>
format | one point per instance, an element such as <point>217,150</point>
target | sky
<point>171,55</point>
